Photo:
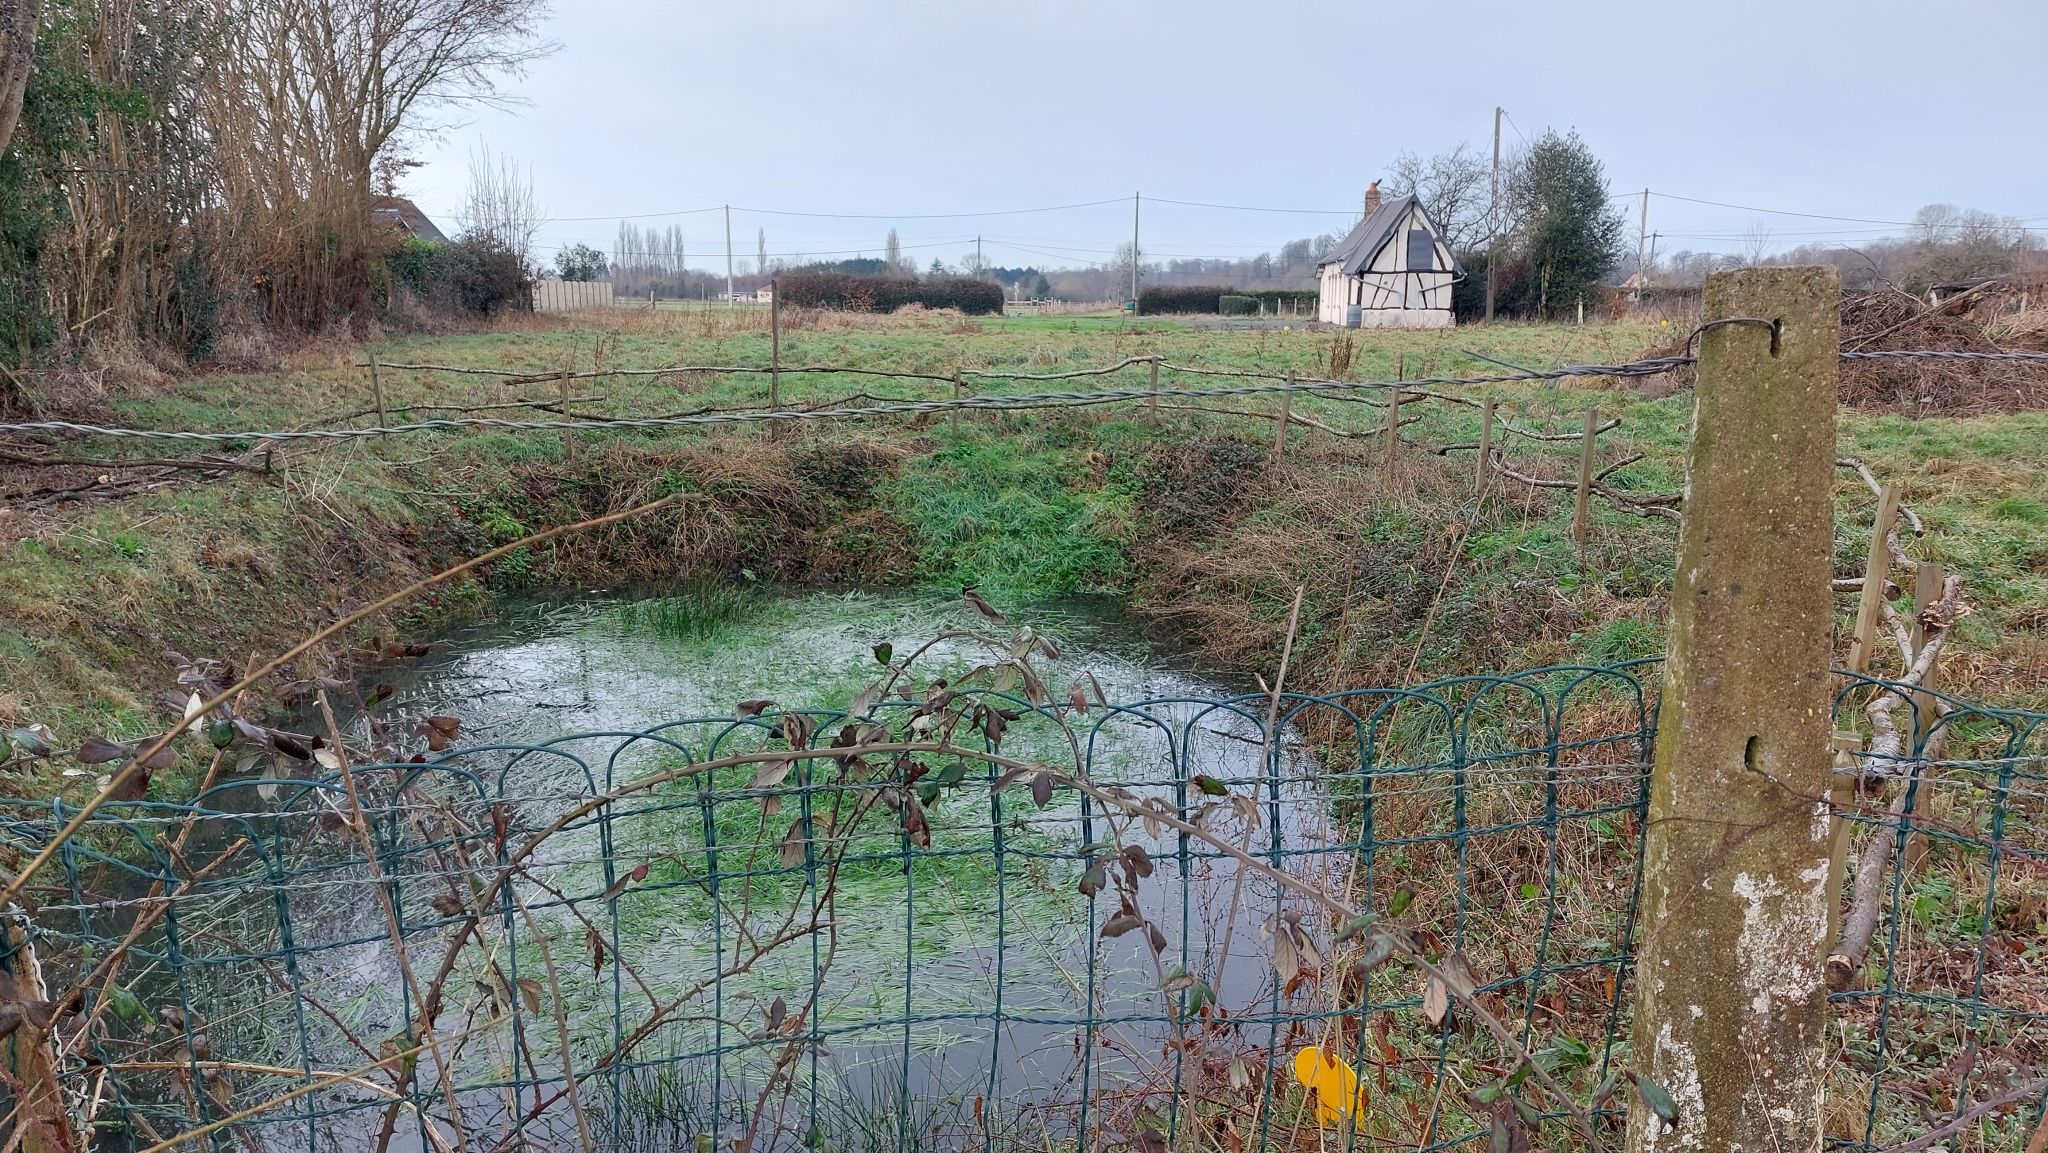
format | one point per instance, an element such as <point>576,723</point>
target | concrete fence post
<point>1730,1004</point>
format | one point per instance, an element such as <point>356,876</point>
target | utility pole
<point>978,265</point>
<point>728,256</point>
<point>1493,211</point>
<point>1134,253</point>
<point>1642,234</point>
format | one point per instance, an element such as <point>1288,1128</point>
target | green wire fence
<point>686,938</point>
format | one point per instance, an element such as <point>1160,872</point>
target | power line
<point>1781,211</point>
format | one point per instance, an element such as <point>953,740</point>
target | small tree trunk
<point>18,21</point>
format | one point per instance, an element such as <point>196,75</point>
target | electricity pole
<point>728,256</point>
<point>1493,210</point>
<point>978,265</point>
<point>1134,253</point>
<point>1642,234</point>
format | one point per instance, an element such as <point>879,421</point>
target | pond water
<point>955,990</point>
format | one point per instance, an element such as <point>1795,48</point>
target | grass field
<point>1408,575</point>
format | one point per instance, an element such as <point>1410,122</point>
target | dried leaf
<point>1245,808</point>
<point>440,732</point>
<point>1137,861</point>
<point>751,709</point>
<point>1041,790</point>
<point>993,721</point>
<point>1100,698</point>
<point>289,745</point>
<point>1155,938</point>
<point>327,758</point>
<point>1120,924</point>
<point>1077,698</point>
<point>1286,962</point>
<point>979,605</point>
<point>619,886</point>
<point>771,773</point>
<point>1177,979</point>
<point>529,992</point>
<point>594,941</point>
<point>1051,650</point>
<point>777,1012</point>
<point>915,825</point>
<point>797,729</point>
<point>865,703</point>
<point>1008,779</point>
<point>1436,1000</point>
<point>379,693</point>
<point>448,905</point>
<point>793,843</point>
<point>1240,1074</point>
<point>97,750</point>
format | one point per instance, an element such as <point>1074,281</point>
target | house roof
<point>1357,250</point>
<point>401,213</point>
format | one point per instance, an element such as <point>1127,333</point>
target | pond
<point>869,986</point>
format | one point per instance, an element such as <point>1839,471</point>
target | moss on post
<point>1730,1005</point>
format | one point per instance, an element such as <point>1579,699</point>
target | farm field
<point>1407,574</point>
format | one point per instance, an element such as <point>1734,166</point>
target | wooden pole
<point>1152,405</point>
<point>1847,743</point>
<point>1485,446</point>
<point>568,434</point>
<point>377,388</point>
<point>1877,565</point>
<point>1286,414</point>
<point>774,346</point>
<point>958,391</point>
<point>1730,1007</point>
<point>1392,447</point>
<point>1585,493</point>
<point>1926,591</point>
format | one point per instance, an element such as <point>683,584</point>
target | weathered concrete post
<point>1730,1004</point>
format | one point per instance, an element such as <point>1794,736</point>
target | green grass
<point>1032,503</point>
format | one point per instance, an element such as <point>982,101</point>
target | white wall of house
<point>1389,292</point>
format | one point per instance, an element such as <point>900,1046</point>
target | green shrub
<point>477,276</point>
<point>1179,299</point>
<point>1233,305</point>
<point>848,293</point>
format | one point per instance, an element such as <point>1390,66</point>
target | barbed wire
<point>1280,384</point>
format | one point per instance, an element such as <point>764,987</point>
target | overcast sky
<point>919,109</point>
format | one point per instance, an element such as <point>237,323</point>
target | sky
<point>827,123</point>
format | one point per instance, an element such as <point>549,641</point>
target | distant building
<point>403,216</point>
<point>1393,271</point>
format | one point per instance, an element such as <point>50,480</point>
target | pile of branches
<point>2005,315</point>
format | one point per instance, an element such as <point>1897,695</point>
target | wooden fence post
<point>1280,423</point>
<point>774,346</point>
<point>954,415</point>
<point>1731,1009</point>
<point>1926,591</point>
<point>1876,567</point>
<point>377,388</point>
<point>1485,446</point>
<point>1152,405</point>
<point>1393,429</point>
<point>568,434</point>
<point>1585,494</point>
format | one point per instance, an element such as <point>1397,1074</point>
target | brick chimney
<point>1372,198</point>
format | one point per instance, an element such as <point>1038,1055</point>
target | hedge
<point>838,290</point>
<point>1233,305</point>
<point>1179,299</point>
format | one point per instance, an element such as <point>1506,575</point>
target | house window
<point>1421,249</point>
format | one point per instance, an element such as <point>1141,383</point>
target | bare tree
<point>499,206</point>
<point>1454,188</point>
<point>1756,244</point>
<point>311,92</point>
<point>892,252</point>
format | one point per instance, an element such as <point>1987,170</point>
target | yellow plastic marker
<point>1336,1084</point>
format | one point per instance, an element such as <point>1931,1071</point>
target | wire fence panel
<point>693,937</point>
